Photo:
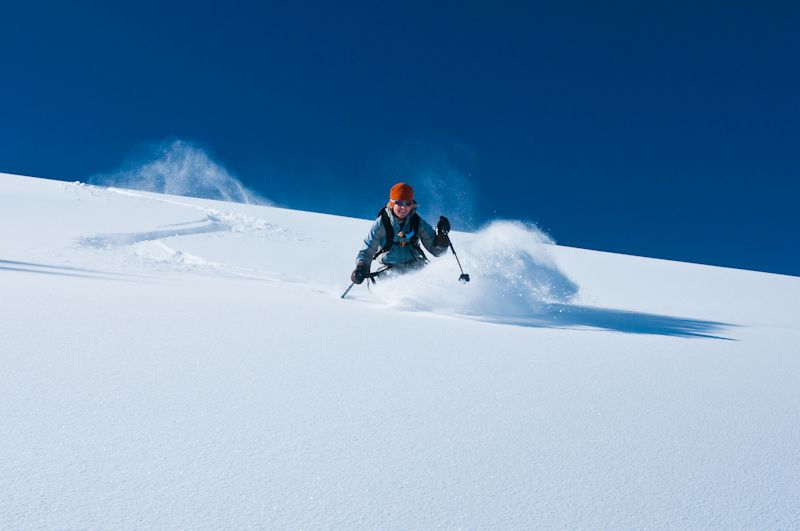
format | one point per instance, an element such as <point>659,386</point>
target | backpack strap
<point>415,238</point>
<point>414,229</point>
<point>387,226</point>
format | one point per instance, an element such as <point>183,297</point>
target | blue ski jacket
<point>401,253</point>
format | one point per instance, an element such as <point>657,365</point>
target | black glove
<point>443,226</point>
<point>359,273</point>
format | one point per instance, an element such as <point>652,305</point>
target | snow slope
<point>179,362</point>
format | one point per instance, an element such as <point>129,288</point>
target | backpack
<point>387,225</point>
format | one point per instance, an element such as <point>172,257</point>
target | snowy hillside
<point>188,363</point>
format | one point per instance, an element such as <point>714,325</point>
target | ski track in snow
<point>232,221</point>
<point>147,248</point>
<point>109,241</point>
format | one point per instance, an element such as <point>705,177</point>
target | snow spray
<point>178,167</point>
<point>512,275</point>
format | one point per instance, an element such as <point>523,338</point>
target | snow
<point>179,362</point>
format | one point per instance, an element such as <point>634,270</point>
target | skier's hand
<point>443,226</point>
<point>359,273</point>
<point>442,241</point>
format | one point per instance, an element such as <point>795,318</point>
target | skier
<point>394,237</point>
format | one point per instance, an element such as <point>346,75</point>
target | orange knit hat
<point>401,192</point>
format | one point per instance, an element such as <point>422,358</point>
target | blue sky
<point>669,130</point>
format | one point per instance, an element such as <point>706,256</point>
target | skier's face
<point>401,210</point>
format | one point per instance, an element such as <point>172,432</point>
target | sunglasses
<point>403,203</point>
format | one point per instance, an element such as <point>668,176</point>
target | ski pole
<point>464,278</point>
<point>371,277</point>
<point>444,228</point>
<point>348,290</point>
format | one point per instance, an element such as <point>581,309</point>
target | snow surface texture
<point>188,363</point>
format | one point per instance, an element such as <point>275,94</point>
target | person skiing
<point>395,236</point>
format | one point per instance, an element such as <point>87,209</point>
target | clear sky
<point>660,129</point>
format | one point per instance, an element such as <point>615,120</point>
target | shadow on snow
<point>572,316</point>
<point>64,271</point>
